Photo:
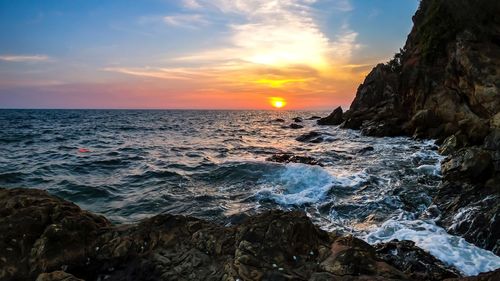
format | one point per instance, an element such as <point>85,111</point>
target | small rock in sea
<point>296,126</point>
<point>297,119</point>
<point>313,136</point>
<point>279,120</point>
<point>365,149</point>
<point>314,117</point>
<point>290,158</point>
<point>335,118</point>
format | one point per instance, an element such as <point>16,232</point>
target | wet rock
<point>487,276</point>
<point>275,245</point>
<point>291,158</point>
<point>468,164</point>
<point>57,276</point>
<point>451,144</point>
<point>296,126</point>
<point>335,118</point>
<point>443,85</point>
<point>314,117</point>
<point>365,150</point>
<point>413,261</point>
<point>297,119</point>
<point>314,137</point>
<point>279,120</point>
<point>35,226</point>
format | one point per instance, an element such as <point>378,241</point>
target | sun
<point>277,102</point>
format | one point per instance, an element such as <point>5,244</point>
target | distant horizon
<point>178,109</point>
<point>220,54</point>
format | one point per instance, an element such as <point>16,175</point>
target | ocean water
<point>132,164</point>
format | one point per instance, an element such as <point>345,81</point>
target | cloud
<point>24,58</point>
<point>188,20</point>
<point>278,33</point>
<point>191,4</point>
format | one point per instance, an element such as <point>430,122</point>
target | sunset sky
<point>210,54</point>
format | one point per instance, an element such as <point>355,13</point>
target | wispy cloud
<point>24,58</point>
<point>186,20</point>
<point>278,33</point>
<point>191,4</point>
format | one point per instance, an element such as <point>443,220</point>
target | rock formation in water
<point>444,84</point>
<point>335,118</point>
<point>45,238</point>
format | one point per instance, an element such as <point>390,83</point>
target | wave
<point>450,249</point>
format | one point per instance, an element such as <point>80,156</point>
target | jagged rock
<point>444,85</point>
<point>335,118</point>
<point>488,276</point>
<point>451,144</point>
<point>415,262</point>
<point>314,137</point>
<point>296,126</point>
<point>275,245</point>
<point>35,227</point>
<point>468,164</point>
<point>57,276</point>
<point>291,158</point>
<point>366,149</point>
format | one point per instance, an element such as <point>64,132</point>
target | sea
<point>132,164</point>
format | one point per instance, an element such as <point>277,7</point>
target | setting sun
<point>277,102</point>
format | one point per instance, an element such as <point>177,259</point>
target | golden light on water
<point>277,102</point>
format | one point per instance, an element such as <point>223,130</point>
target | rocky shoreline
<point>44,238</point>
<point>445,84</point>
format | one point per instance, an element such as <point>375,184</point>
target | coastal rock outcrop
<point>445,84</point>
<point>335,118</point>
<point>44,238</point>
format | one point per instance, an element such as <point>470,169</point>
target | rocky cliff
<point>45,238</point>
<point>444,84</point>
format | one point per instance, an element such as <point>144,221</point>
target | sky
<point>194,54</point>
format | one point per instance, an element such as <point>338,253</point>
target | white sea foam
<point>297,184</point>
<point>452,250</point>
<point>431,170</point>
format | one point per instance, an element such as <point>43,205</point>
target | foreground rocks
<point>445,85</point>
<point>45,238</point>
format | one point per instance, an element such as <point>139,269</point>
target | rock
<point>298,119</point>
<point>279,120</point>
<point>468,164</point>
<point>296,126</point>
<point>318,117</point>
<point>36,226</point>
<point>275,245</point>
<point>365,150</point>
<point>443,85</point>
<point>451,144</point>
<point>335,118</point>
<point>57,276</point>
<point>487,276</point>
<point>314,137</point>
<point>413,261</point>
<point>291,158</point>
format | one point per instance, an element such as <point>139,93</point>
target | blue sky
<point>193,53</point>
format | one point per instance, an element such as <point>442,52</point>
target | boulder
<point>275,245</point>
<point>314,137</point>
<point>415,262</point>
<point>291,158</point>
<point>335,118</point>
<point>296,126</point>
